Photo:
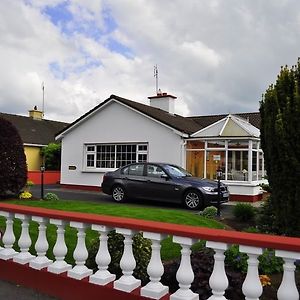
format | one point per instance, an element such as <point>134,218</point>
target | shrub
<point>244,211</point>
<point>141,252</point>
<point>51,197</point>
<point>25,195</point>
<point>52,156</point>
<point>209,212</point>
<point>265,219</point>
<point>268,262</point>
<point>13,168</point>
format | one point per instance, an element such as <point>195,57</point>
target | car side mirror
<point>165,176</point>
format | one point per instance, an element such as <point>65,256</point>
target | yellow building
<point>36,133</point>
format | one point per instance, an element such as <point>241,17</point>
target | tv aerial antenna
<point>156,77</point>
<point>43,103</point>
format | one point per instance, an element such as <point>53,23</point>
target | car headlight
<point>209,189</point>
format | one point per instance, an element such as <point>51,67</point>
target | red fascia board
<point>200,233</point>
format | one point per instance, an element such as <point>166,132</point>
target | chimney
<point>163,101</point>
<point>36,114</point>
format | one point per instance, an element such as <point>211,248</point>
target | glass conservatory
<point>233,146</point>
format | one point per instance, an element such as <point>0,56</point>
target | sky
<point>215,56</point>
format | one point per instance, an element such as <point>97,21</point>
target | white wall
<point>116,123</point>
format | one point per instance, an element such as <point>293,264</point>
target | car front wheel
<point>193,200</point>
<point>118,193</point>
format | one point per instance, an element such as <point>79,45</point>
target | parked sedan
<point>162,182</point>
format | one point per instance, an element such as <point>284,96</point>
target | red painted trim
<point>246,198</point>
<point>81,187</point>
<point>218,235</point>
<point>61,286</point>
<point>50,177</point>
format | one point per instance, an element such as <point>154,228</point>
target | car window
<point>125,171</point>
<point>177,171</point>
<point>154,171</point>
<point>136,170</point>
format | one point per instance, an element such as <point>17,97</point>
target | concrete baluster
<point>127,281</point>
<point>80,254</point>
<point>60,249</point>
<point>185,274</point>
<point>8,238</point>
<point>24,242</point>
<point>41,245</point>
<point>155,289</point>
<point>102,276</point>
<point>218,280</point>
<point>252,288</point>
<point>288,289</point>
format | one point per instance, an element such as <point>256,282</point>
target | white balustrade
<point>102,276</point>
<point>8,238</point>
<point>185,274</point>
<point>24,242</point>
<point>80,253</point>
<point>288,289</point>
<point>155,289</point>
<point>60,249</point>
<point>127,282</point>
<point>41,245</point>
<point>252,288</point>
<point>218,280</point>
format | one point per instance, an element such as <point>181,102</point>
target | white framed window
<point>111,156</point>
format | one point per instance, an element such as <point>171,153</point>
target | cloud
<point>215,56</point>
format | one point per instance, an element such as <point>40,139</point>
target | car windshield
<point>177,171</point>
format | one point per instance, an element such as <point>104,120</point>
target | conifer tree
<point>280,138</point>
<point>13,168</point>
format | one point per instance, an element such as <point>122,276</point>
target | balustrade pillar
<point>252,288</point>
<point>60,249</point>
<point>8,238</point>
<point>185,274</point>
<point>127,282</point>
<point>102,276</point>
<point>218,280</point>
<point>24,242</point>
<point>155,289</point>
<point>80,253</point>
<point>41,245</point>
<point>288,288</point>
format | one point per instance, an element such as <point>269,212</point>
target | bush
<point>209,212</point>
<point>13,167</point>
<point>266,220</point>
<point>25,195</point>
<point>52,156</point>
<point>51,197</point>
<point>141,252</point>
<point>268,262</point>
<point>244,211</point>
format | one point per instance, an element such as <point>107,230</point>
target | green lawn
<point>169,249</point>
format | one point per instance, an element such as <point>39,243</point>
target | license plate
<point>225,195</point>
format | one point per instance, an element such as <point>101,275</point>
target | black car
<point>162,182</point>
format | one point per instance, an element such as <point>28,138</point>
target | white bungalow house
<point>119,131</point>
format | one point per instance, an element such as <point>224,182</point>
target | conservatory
<point>232,145</point>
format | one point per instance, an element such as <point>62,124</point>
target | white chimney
<point>163,101</point>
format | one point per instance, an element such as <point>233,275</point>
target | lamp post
<point>42,181</point>
<point>219,175</point>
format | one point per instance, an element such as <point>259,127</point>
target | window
<point>110,156</point>
<point>136,170</point>
<point>155,171</point>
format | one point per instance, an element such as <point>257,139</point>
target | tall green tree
<point>13,167</point>
<point>280,138</point>
<point>52,156</point>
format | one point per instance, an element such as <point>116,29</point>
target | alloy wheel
<point>118,194</point>
<point>192,200</point>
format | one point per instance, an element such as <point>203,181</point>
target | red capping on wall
<point>50,177</point>
<point>61,286</point>
<point>82,187</point>
<point>217,235</point>
<point>246,198</point>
